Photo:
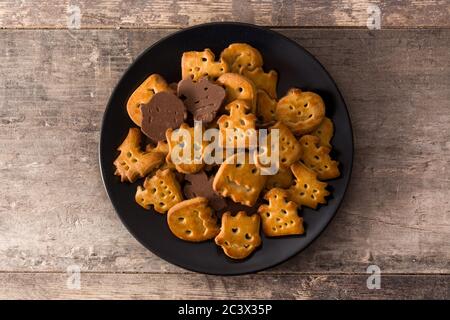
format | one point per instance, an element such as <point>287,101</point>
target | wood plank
<point>173,286</point>
<point>164,14</point>
<point>54,212</point>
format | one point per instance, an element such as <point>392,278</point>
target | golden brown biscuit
<point>186,144</point>
<point>318,158</point>
<point>325,132</point>
<point>263,81</point>
<point>142,95</point>
<point>193,220</point>
<point>289,148</point>
<point>280,217</point>
<point>242,182</point>
<point>132,163</point>
<point>282,179</point>
<point>301,111</point>
<point>238,87</point>
<point>265,107</point>
<point>239,234</point>
<point>238,128</point>
<point>199,64</point>
<point>161,190</point>
<point>307,190</point>
<point>241,55</point>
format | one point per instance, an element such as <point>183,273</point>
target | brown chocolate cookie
<point>203,98</point>
<point>199,185</point>
<point>164,111</point>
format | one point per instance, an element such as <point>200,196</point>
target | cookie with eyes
<point>307,189</point>
<point>143,94</point>
<point>262,80</point>
<point>301,111</point>
<point>133,163</point>
<point>265,107</point>
<point>239,234</point>
<point>325,132</point>
<point>185,152</point>
<point>199,64</point>
<point>193,220</point>
<point>238,87</point>
<point>279,217</point>
<point>237,130</point>
<point>240,180</point>
<point>241,55</point>
<point>317,158</point>
<point>161,190</point>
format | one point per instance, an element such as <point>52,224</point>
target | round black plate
<point>296,68</point>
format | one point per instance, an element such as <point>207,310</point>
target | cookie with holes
<point>162,190</point>
<point>279,217</point>
<point>199,64</point>
<point>289,148</point>
<point>241,55</point>
<point>186,148</point>
<point>193,220</point>
<point>239,179</point>
<point>237,130</point>
<point>238,87</point>
<point>317,158</point>
<point>307,189</point>
<point>262,80</point>
<point>239,234</point>
<point>203,98</point>
<point>133,163</point>
<point>325,132</point>
<point>265,107</point>
<point>143,94</point>
<point>301,111</point>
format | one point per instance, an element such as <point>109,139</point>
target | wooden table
<point>55,80</point>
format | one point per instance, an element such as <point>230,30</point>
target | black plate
<point>296,68</point>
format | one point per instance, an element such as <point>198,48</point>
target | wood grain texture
<point>170,14</point>
<point>53,209</point>
<point>196,286</point>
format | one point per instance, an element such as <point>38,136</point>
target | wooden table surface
<point>57,72</point>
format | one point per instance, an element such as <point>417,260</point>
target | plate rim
<point>108,106</point>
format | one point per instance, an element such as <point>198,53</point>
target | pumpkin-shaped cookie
<point>301,111</point>
<point>193,220</point>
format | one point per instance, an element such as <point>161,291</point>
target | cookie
<point>263,81</point>
<point>307,190</point>
<point>239,234</point>
<point>184,151</point>
<point>199,64</point>
<point>142,95</point>
<point>164,111</point>
<point>290,150</point>
<point>237,130</point>
<point>325,132</point>
<point>199,185</point>
<point>282,179</point>
<point>203,98</point>
<point>161,190</point>
<point>265,107</point>
<point>279,217</point>
<point>193,220</point>
<point>242,181</point>
<point>301,111</point>
<point>238,87</point>
<point>241,55</point>
<point>133,163</point>
<point>317,158</point>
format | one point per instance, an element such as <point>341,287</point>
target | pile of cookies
<point>228,201</point>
